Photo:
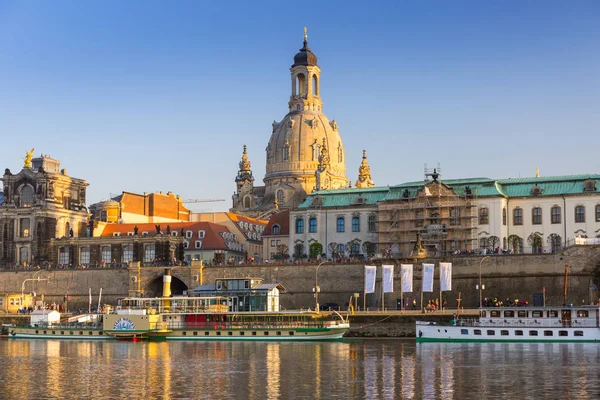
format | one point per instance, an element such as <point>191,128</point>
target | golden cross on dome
<point>305,35</point>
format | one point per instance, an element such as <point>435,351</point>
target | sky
<point>146,96</point>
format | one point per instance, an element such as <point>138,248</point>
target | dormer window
<point>116,233</point>
<point>174,233</point>
<point>589,185</point>
<point>186,244</point>
<point>201,234</point>
<point>198,244</point>
<point>536,191</point>
<point>188,234</point>
<point>276,229</point>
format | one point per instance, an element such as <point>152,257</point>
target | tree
<point>333,249</point>
<point>298,251</point>
<point>536,243</point>
<point>315,250</point>
<point>283,252</point>
<point>369,248</point>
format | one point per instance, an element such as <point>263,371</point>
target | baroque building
<point>305,151</point>
<point>40,203</point>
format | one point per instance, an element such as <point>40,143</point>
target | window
<point>563,333</point>
<point>536,215</point>
<point>355,224</point>
<point>484,216</point>
<point>280,197</point>
<point>286,152</point>
<point>372,223</point>
<point>482,243</point>
<point>555,215</point>
<point>454,216</point>
<point>198,244</point>
<point>548,333</point>
<point>63,256</point>
<point>518,333</point>
<point>106,254</point>
<point>597,212</point>
<point>312,225</point>
<point>272,243</point>
<point>495,314</point>
<point>522,314</point>
<point>84,255</point>
<point>299,225</point>
<point>276,229</point>
<point>578,333</point>
<point>553,314</point>
<point>509,314</point>
<point>103,216</point>
<point>579,214</point>
<point>533,333</point>
<point>355,249</point>
<point>201,234</point>
<point>477,332</point>
<point>583,313</point>
<point>537,314</point>
<point>464,331</point>
<point>127,253</point>
<point>504,332</point>
<point>504,217</point>
<point>24,227</point>
<point>188,234</point>
<point>27,196</point>
<point>341,249</point>
<point>149,252</point>
<point>518,216</point>
<point>491,332</point>
<point>340,224</point>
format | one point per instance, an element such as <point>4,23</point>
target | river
<point>352,369</point>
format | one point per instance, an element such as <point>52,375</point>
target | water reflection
<point>374,369</point>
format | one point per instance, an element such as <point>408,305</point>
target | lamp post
<point>480,287</point>
<point>38,279</point>
<point>317,288</point>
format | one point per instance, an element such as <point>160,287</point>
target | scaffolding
<point>445,217</point>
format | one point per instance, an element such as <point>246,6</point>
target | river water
<point>353,369</point>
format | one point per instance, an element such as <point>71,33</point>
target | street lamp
<point>38,279</point>
<point>480,287</point>
<point>317,288</point>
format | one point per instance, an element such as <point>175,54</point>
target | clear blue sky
<point>160,96</point>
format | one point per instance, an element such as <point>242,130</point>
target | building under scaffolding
<point>444,215</point>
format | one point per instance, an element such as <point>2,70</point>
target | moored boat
<point>517,324</point>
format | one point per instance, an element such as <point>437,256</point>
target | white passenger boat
<point>517,324</point>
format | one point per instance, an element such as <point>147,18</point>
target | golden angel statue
<point>27,159</point>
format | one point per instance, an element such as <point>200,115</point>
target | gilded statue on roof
<point>27,159</point>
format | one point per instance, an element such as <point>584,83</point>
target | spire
<point>324,158</point>
<point>305,36</point>
<point>364,174</point>
<point>537,172</point>
<point>244,173</point>
<point>245,164</point>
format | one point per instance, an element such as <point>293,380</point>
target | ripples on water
<point>371,369</point>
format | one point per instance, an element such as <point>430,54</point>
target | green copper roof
<point>347,197</point>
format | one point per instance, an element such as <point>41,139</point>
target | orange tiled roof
<point>252,228</point>
<point>282,219</point>
<point>216,237</point>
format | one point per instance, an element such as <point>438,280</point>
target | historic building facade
<point>40,203</point>
<point>305,151</point>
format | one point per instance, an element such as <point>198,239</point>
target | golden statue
<point>27,159</point>
<point>305,35</point>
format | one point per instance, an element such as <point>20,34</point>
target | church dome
<point>305,56</point>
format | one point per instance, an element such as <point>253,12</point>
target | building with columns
<point>305,151</point>
<point>41,202</point>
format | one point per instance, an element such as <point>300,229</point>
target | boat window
<point>278,333</point>
<point>533,333</point>
<point>518,333</point>
<point>583,313</point>
<point>242,333</point>
<point>253,333</point>
<point>464,331</point>
<point>491,332</point>
<point>537,314</point>
<point>477,332</point>
<point>504,332</point>
<point>195,333</point>
<point>563,333</point>
<point>291,333</point>
<point>495,314</point>
<point>509,314</point>
<point>184,333</point>
<point>266,333</point>
<point>522,314</point>
<point>553,314</point>
<point>54,332</point>
<point>578,333</point>
<point>80,332</point>
<point>62,332</point>
<point>99,333</point>
<point>206,333</point>
<point>230,333</point>
<point>90,333</point>
<point>548,333</point>
<point>483,313</point>
<point>218,333</point>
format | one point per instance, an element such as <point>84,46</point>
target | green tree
<point>315,250</point>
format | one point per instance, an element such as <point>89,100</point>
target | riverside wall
<point>514,276</point>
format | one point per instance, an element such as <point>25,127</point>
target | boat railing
<point>527,323</point>
<point>241,325</point>
<point>67,325</point>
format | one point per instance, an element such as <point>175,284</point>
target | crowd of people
<point>495,302</point>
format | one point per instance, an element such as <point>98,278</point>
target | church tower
<point>364,173</point>
<point>243,198</point>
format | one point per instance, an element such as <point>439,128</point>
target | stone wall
<point>517,276</point>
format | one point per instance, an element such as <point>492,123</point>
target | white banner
<point>407,277</point>
<point>388,278</point>
<point>446,276</point>
<point>428,277</point>
<point>370,272</point>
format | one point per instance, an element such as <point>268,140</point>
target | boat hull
<point>429,332</point>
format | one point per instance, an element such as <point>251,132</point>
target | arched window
<point>84,255</point>
<point>340,224</point>
<point>372,222</point>
<point>579,214</point>
<point>518,216</point>
<point>484,216</point>
<point>280,197</point>
<point>340,153</point>
<point>247,202</point>
<point>301,84</point>
<point>67,230</point>
<point>23,255</point>
<point>286,152</point>
<point>504,217</point>
<point>149,253</point>
<point>597,212</point>
<point>483,243</point>
<point>106,254</point>
<point>127,253</point>
<point>355,224</point>
<point>63,256</point>
<point>315,88</point>
<point>555,216</point>
<point>299,225</point>
<point>355,249</point>
<point>312,225</point>
<point>27,196</point>
<point>536,216</point>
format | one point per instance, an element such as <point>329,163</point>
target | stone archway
<point>155,287</point>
